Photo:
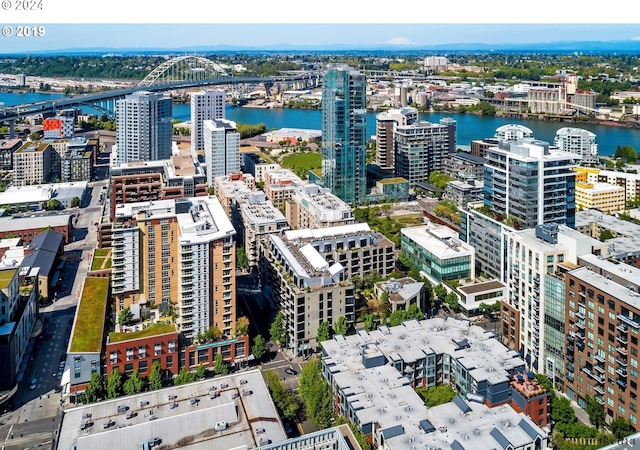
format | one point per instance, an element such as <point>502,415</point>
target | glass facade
<point>554,330</point>
<point>434,266</point>
<point>343,134</point>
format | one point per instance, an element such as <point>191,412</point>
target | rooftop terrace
<point>90,316</point>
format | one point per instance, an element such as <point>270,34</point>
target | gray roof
<point>43,259</point>
<point>49,240</point>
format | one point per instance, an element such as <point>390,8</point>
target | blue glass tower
<point>343,134</point>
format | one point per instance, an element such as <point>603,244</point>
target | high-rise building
<point>386,123</point>
<point>530,183</point>
<point>143,130</point>
<point>509,132</point>
<point>221,142</point>
<point>422,147</point>
<point>344,122</point>
<point>578,141</point>
<point>205,105</point>
<point>176,254</point>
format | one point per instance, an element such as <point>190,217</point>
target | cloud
<point>637,38</point>
<point>400,41</point>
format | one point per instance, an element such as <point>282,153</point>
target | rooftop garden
<point>152,330</point>
<point>87,334</point>
<point>101,259</point>
<point>5,278</point>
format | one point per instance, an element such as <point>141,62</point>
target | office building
<point>537,258</point>
<point>144,127</point>
<point>437,251</point>
<point>602,322</point>
<point>530,183</point>
<point>176,254</point>
<point>421,149</point>
<point>344,120</point>
<point>205,105</point>
<point>310,273</point>
<point>386,123</point>
<point>605,197</point>
<point>33,164</point>
<point>221,142</point>
<point>578,141</point>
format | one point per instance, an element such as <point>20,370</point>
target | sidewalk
<point>581,414</point>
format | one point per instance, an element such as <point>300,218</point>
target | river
<point>470,126</point>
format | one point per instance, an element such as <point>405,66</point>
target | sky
<point>121,24</point>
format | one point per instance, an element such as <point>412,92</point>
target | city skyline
<point>316,36</point>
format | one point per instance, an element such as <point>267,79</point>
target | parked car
<point>290,371</point>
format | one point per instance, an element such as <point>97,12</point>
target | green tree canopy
<point>324,332</point>
<point>134,384</point>
<point>200,372</point>
<point>341,326</point>
<point>95,390</point>
<point>241,258</point>
<point>437,395</point>
<point>242,326</point>
<point>277,330</point>
<point>75,202</point>
<point>184,377</point>
<point>284,399</point>
<point>259,348</point>
<point>155,377</point>
<point>621,428</point>
<point>114,383</point>
<point>220,366</point>
<point>316,393</point>
<point>125,316</point>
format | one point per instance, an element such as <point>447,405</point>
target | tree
<point>95,390</point>
<point>75,202</point>
<point>561,411</point>
<point>155,377</point>
<point>220,366</point>
<point>452,300</point>
<point>621,428</point>
<point>277,330</point>
<point>595,410</point>
<point>135,384</point>
<point>125,316</point>
<point>316,393</point>
<point>242,326</point>
<point>54,204</point>
<point>341,326</point>
<point>437,395</point>
<point>241,258</point>
<point>212,334</point>
<point>184,377</point>
<point>324,332</point>
<point>200,372</point>
<point>114,383</point>
<point>370,322</point>
<point>259,347</point>
<point>606,234</point>
<point>284,399</point>
<point>440,291</point>
<point>34,136</point>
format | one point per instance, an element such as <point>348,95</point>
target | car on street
<point>34,384</point>
<point>290,371</point>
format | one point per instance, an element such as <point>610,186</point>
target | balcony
<point>622,327</point>
<point>621,362</point>
<point>627,320</point>
<point>622,371</point>
<point>598,368</point>
<point>599,390</point>
<point>621,383</point>
<point>580,324</point>
<point>580,315</point>
<point>622,339</point>
<point>622,350</point>
<point>598,357</point>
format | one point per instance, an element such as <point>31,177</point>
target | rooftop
<point>481,287</point>
<point>238,404</point>
<point>5,277</point>
<point>90,316</point>
<point>439,240</point>
<point>155,329</point>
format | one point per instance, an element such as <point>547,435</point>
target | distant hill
<point>629,46</point>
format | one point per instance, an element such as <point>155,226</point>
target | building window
<point>142,351</point>
<point>143,366</point>
<point>157,348</point>
<point>113,357</point>
<point>129,354</point>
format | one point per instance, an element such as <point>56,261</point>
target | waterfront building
<point>578,141</point>
<point>312,206</point>
<point>344,134</point>
<point>386,123</point>
<point>530,183</point>
<point>509,132</point>
<point>137,181</point>
<point>602,321</point>
<point>205,105</point>
<point>605,197</point>
<point>310,273</point>
<point>437,251</point>
<point>176,254</point>
<point>543,100</point>
<point>536,260</point>
<point>144,127</point>
<point>221,142</point>
<point>422,147</point>
<point>33,164</point>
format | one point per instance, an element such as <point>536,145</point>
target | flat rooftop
<point>90,316</point>
<point>240,400</point>
<point>153,330</point>
<point>482,287</point>
<point>441,241</point>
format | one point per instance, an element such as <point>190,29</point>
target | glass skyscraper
<point>343,134</point>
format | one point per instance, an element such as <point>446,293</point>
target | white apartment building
<point>312,206</point>
<point>578,141</point>
<point>205,105</point>
<point>386,123</point>
<point>143,127</point>
<point>221,142</point>
<point>536,259</point>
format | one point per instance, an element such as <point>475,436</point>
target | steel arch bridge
<point>184,69</point>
